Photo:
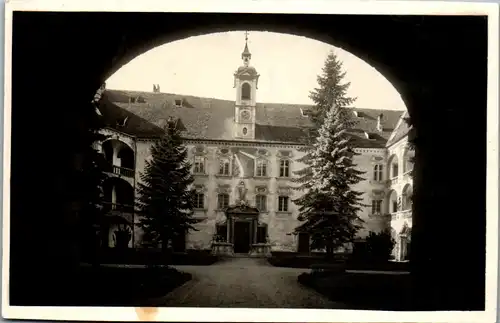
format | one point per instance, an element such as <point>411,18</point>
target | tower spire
<point>245,56</point>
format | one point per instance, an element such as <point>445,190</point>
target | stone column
<point>229,221</point>
<point>255,227</point>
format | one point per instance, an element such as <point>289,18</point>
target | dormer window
<point>178,103</point>
<point>136,99</point>
<point>304,112</point>
<point>356,114</point>
<point>369,136</point>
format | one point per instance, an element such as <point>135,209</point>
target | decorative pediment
<point>224,189</point>
<point>199,150</point>
<point>261,189</point>
<point>378,194</point>
<point>263,153</point>
<point>225,152</point>
<point>284,190</point>
<point>377,159</point>
<point>199,188</point>
<point>242,209</point>
<point>284,154</point>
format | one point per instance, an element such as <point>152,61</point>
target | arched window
<point>407,198</point>
<point>407,160</point>
<point>394,167</point>
<point>393,198</point>
<point>245,91</point>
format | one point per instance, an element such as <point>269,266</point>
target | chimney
<point>379,122</point>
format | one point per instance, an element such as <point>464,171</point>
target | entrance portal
<point>303,243</point>
<point>242,237</point>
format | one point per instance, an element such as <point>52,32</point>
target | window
<point>394,206</point>
<point>283,204</point>
<point>376,206</point>
<point>245,131</point>
<point>261,168</point>
<point>378,172</point>
<point>261,202</point>
<point>199,201</point>
<point>199,165</point>
<point>178,103</point>
<point>395,170</point>
<point>284,168</point>
<point>261,234</point>
<point>224,166</point>
<point>245,91</point>
<point>222,201</point>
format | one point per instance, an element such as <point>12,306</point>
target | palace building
<point>244,154</point>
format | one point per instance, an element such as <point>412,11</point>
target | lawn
<point>111,286</point>
<point>363,291</point>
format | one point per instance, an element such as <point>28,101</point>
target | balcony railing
<point>406,214</point>
<point>407,176</point>
<point>393,181</point>
<point>127,172</point>
<point>120,171</point>
<point>108,207</point>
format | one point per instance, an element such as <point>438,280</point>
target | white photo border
<point>269,315</point>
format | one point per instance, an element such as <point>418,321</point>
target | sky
<point>288,66</point>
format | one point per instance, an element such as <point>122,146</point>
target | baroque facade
<point>244,155</point>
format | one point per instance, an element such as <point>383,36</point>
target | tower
<point>245,82</point>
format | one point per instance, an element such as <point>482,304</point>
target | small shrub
<point>379,246</point>
<point>304,278</point>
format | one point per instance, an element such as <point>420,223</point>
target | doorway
<point>241,237</point>
<point>179,243</point>
<point>304,246</point>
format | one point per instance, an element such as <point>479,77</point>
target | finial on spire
<point>246,53</point>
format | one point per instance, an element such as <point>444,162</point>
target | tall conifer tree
<point>331,90</point>
<point>329,205</point>
<point>166,196</point>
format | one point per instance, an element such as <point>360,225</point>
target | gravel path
<point>244,282</point>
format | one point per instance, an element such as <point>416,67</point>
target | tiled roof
<point>113,115</point>
<point>402,129</point>
<point>207,118</point>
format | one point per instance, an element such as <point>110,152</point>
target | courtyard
<point>243,282</point>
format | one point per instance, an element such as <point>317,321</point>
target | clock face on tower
<point>245,115</point>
